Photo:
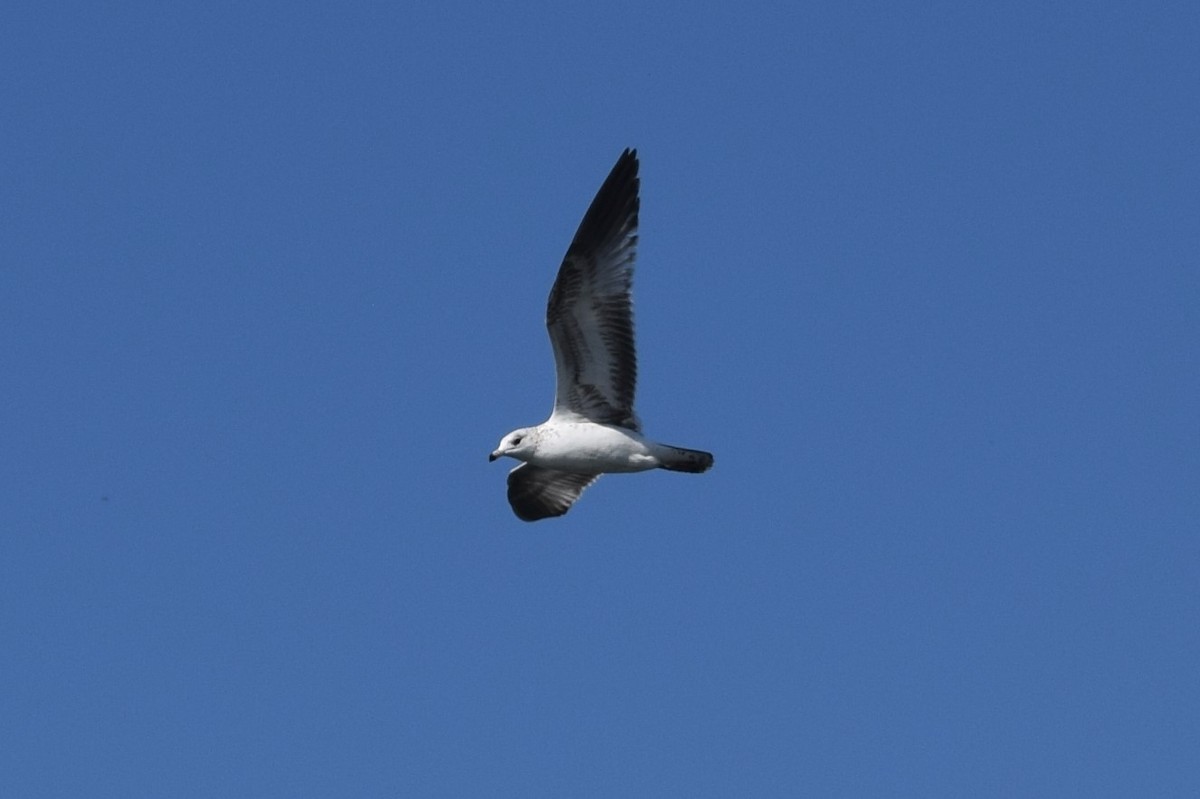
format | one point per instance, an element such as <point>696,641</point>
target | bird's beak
<point>493,456</point>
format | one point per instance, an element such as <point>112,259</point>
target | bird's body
<point>593,429</point>
<point>584,446</point>
<point>591,447</point>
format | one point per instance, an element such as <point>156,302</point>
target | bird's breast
<point>592,448</point>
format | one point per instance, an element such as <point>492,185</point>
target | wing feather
<point>590,310</point>
<point>539,493</point>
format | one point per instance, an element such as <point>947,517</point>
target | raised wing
<point>590,311</point>
<point>539,493</point>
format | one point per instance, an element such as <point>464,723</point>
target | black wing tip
<point>531,507</point>
<point>625,171</point>
<point>536,514</point>
<point>614,210</point>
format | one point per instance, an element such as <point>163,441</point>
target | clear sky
<point>924,277</point>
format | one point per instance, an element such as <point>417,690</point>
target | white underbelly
<point>593,448</point>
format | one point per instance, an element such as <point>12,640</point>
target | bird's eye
<point>516,441</point>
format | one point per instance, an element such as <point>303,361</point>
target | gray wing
<point>590,311</point>
<point>538,493</point>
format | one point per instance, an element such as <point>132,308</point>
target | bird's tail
<point>678,459</point>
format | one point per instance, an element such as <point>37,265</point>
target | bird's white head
<point>519,444</point>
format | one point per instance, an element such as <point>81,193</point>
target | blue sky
<point>922,276</point>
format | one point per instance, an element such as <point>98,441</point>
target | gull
<point>593,429</point>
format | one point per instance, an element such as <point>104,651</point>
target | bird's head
<point>518,444</point>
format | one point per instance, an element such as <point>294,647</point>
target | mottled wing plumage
<point>590,311</point>
<point>538,493</point>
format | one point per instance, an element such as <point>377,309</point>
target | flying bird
<point>593,429</point>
